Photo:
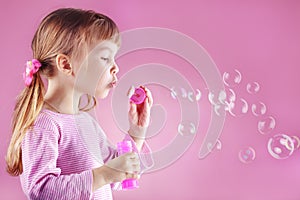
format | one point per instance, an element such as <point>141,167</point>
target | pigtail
<point>29,104</point>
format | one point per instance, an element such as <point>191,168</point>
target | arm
<point>139,142</point>
<point>42,179</point>
<point>100,177</point>
<point>139,119</point>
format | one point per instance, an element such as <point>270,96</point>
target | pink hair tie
<point>32,67</point>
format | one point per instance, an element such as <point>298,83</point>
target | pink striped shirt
<point>59,153</point>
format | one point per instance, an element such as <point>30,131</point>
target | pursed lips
<point>113,84</point>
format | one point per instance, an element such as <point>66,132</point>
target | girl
<point>57,148</point>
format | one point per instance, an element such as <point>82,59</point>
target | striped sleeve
<point>42,179</point>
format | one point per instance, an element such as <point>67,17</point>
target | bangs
<point>103,28</point>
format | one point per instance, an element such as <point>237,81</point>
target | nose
<point>115,69</point>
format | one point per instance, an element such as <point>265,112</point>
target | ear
<point>63,64</point>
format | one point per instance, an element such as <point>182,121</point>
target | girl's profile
<point>50,126</point>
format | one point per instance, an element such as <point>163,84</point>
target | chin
<point>102,94</point>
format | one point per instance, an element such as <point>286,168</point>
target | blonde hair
<point>65,31</point>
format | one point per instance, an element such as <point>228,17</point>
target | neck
<point>61,98</point>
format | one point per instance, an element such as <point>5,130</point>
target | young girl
<point>57,148</point>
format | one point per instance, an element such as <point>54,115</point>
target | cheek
<point>103,81</point>
<point>98,75</point>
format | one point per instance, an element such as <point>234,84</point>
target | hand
<point>139,116</point>
<point>123,167</point>
<point>116,170</point>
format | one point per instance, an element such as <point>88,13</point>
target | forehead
<point>106,46</point>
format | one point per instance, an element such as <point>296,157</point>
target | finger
<point>135,162</point>
<point>132,108</point>
<point>144,119</point>
<point>130,91</point>
<point>136,168</point>
<point>131,176</point>
<point>141,86</point>
<point>145,114</point>
<point>147,105</point>
<point>149,95</point>
<point>133,170</point>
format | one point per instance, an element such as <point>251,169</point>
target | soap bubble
<point>183,93</point>
<point>209,146</point>
<point>221,101</point>
<point>191,96</point>
<point>173,93</point>
<point>219,144</point>
<point>226,96</point>
<point>223,97</point>
<point>220,109</point>
<point>186,128</point>
<point>253,88</point>
<point>198,95</point>
<point>247,155</point>
<point>213,99</point>
<point>296,142</point>
<point>258,109</point>
<point>266,125</point>
<point>280,146</point>
<point>238,107</point>
<point>231,79</point>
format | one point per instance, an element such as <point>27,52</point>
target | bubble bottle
<point>126,147</point>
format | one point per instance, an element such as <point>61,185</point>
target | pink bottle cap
<point>124,147</point>
<point>124,144</point>
<point>129,184</point>
<point>139,96</point>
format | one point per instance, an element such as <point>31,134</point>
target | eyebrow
<point>99,48</point>
<point>104,48</point>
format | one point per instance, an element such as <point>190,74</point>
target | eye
<point>105,59</point>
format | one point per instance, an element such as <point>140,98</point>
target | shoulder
<point>45,128</point>
<point>45,121</point>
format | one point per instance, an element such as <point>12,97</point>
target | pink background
<point>259,38</point>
